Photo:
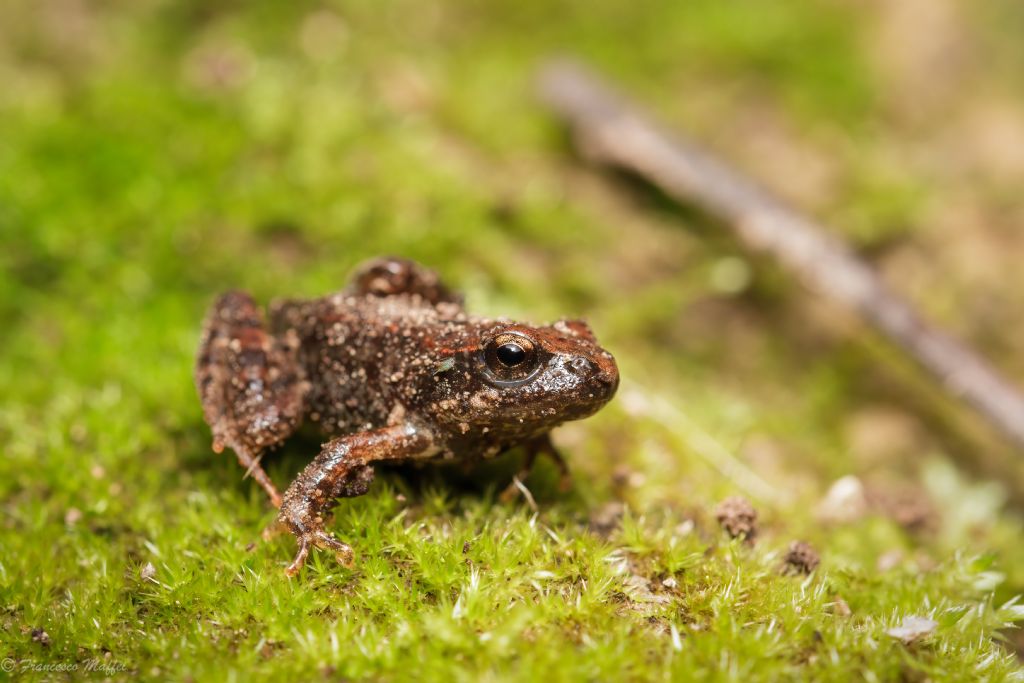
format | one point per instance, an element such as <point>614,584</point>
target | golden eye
<point>512,349</point>
<point>510,356</point>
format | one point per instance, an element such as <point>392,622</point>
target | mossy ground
<point>154,153</point>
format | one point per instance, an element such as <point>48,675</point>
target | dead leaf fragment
<point>801,558</point>
<point>737,517</point>
<point>607,518</point>
<point>913,629</point>
<point>638,588</point>
<point>840,608</point>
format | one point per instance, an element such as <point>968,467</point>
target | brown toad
<point>395,370</point>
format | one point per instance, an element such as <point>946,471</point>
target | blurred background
<point>154,153</point>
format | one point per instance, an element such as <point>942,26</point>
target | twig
<point>525,491</point>
<point>609,130</point>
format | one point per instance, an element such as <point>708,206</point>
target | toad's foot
<point>539,446</point>
<point>342,470</point>
<point>321,539</point>
<point>304,517</point>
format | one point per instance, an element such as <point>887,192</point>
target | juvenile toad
<point>394,370</point>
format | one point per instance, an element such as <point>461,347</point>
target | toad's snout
<point>600,372</point>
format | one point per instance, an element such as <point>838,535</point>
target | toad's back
<point>366,357</point>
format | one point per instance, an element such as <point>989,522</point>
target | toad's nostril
<point>582,366</point>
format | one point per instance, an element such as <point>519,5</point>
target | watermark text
<point>101,667</point>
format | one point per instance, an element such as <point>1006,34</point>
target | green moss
<point>167,151</point>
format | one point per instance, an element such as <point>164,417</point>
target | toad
<point>393,369</point>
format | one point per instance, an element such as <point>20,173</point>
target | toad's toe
<point>343,553</point>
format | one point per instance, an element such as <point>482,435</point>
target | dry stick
<point>609,130</point>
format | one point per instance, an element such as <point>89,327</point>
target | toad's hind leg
<point>250,384</point>
<point>342,470</point>
<point>390,276</point>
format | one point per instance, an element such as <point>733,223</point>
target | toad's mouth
<point>579,381</point>
<point>556,407</point>
<point>600,392</point>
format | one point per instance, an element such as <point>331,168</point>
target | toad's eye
<point>510,354</point>
<point>510,357</point>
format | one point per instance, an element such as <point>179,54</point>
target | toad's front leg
<point>343,469</point>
